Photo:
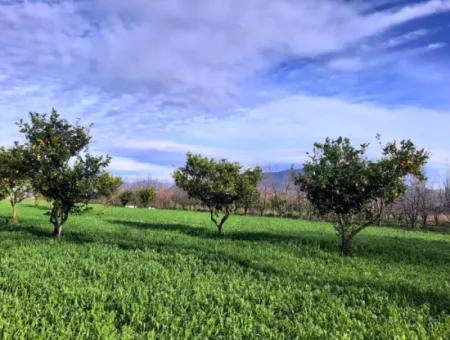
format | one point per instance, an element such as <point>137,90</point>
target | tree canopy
<point>145,196</point>
<point>249,193</point>
<point>62,170</point>
<point>126,197</point>
<point>220,185</point>
<point>340,180</point>
<point>14,176</point>
<point>108,185</point>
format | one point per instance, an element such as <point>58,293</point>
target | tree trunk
<point>14,213</point>
<point>424,221</point>
<point>344,247</point>
<point>380,212</point>
<point>104,207</point>
<point>220,223</point>
<point>411,221</point>
<point>57,231</point>
<point>436,220</point>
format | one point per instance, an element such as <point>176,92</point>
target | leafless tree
<point>446,198</point>
<point>437,205</point>
<point>283,192</point>
<point>410,203</point>
<point>264,193</point>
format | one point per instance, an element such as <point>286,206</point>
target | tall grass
<point>135,273</point>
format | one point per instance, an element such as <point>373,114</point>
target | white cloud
<point>210,46</point>
<point>199,51</point>
<point>131,169</point>
<point>169,146</point>
<point>167,69</point>
<point>270,132</point>
<point>435,45</point>
<point>405,38</point>
<point>374,57</point>
<point>441,156</point>
<point>347,64</point>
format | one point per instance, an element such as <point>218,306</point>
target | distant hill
<point>280,178</point>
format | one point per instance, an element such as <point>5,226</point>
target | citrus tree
<point>249,193</point>
<point>62,170</point>
<point>341,181</point>
<point>145,196</point>
<point>219,185</point>
<point>126,197</point>
<point>14,176</point>
<point>107,187</point>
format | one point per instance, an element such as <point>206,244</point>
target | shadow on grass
<point>404,294</point>
<point>386,248</point>
<point>36,231</point>
<point>34,206</point>
<point>209,233</point>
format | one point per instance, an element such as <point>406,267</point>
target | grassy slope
<point>137,273</point>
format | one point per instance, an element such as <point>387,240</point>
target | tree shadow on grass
<point>404,294</point>
<point>384,249</point>
<point>33,206</point>
<point>201,232</point>
<point>387,249</point>
<point>25,228</point>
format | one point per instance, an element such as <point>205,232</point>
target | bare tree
<point>264,193</point>
<point>437,205</point>
<point>446,198</point>
<point>409,205</point>
<point>415,204</point>
<point>283,192</point>
<point>424,196</point>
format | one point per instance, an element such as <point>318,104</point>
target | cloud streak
<point>257,81</point>
<point>188,53</point>
<point>132,169</point>
<point>284,130</point>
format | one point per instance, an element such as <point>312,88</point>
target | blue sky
<point>257,81</point>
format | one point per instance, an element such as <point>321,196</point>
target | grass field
<point>135,273</point>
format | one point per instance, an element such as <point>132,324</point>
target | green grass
<point>135,273</point>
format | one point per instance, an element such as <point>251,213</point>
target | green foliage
<point>145,196</point>
<point>279,204</point>
<point>220,185</point>
<point>3,193</point>
<point>108,185</point>
<point>249,193</point>
<point>340,180</point>
<point>14,176</point>
<point>144,274</point>
<point>126,197</point>
<point>62,170</point>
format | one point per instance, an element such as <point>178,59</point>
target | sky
<point>254,81</point>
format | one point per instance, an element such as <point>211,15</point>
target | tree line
<point>421,206</point>
<point>338,182</point>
